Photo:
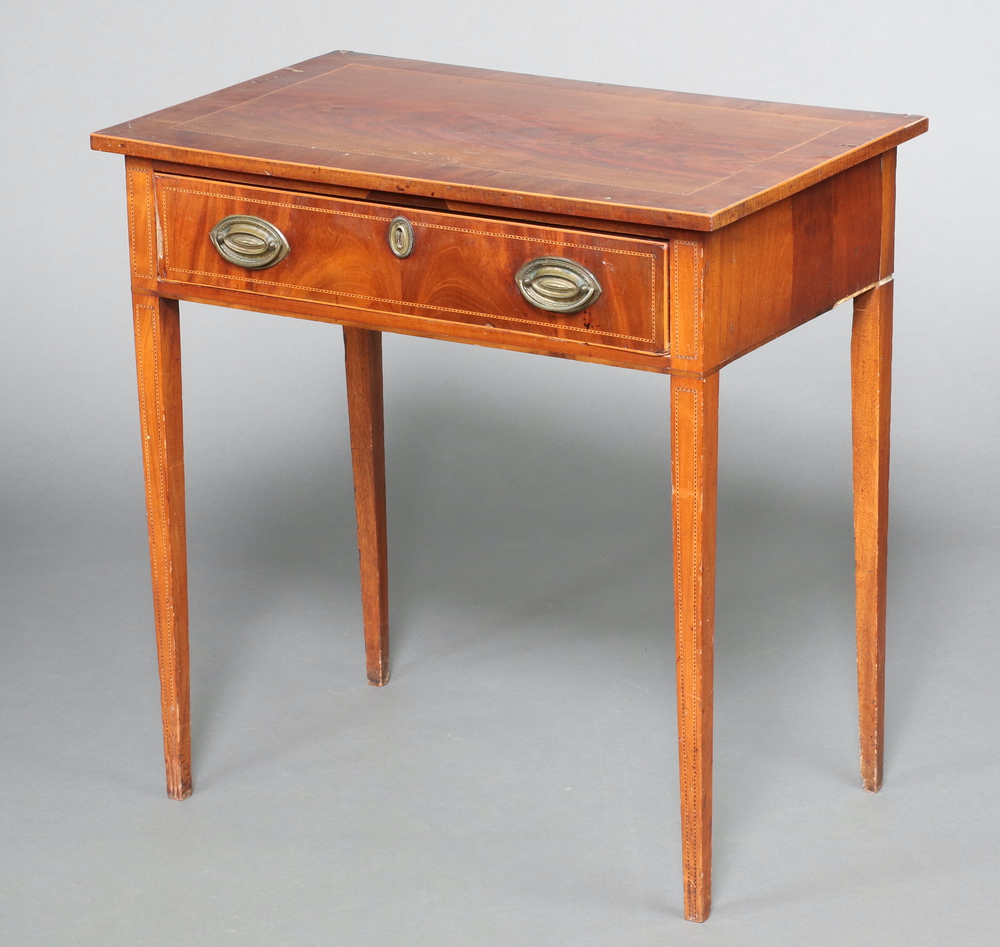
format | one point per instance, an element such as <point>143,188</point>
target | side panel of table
<point>793,261</point>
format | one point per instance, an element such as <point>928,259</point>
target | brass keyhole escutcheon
<point>401,238</point>
<point>250,242</point>
<point>557,284</point>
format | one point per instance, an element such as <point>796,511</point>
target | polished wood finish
<point>506,140</point>
<point>158,364</point>
<point>424,328</point>
<point>694,439</point>
<point>413,200</point>
<point>460,270</point>
<point>141,222</point>
<point>754,280</point>
<point>772,271</point>
<point>871,357</point>
<point>713,225</point>
<point>888,190</point>
<point>363,359</point>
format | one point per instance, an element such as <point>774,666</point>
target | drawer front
<point>460,270</point>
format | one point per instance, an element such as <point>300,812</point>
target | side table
<point>659,231</point>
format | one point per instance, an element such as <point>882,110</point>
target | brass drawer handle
<point>401,238</point>
<point>249,242</point>
<point>557,284</point>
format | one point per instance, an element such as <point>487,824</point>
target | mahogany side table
<point>651,230</point>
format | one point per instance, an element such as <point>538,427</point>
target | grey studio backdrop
<point>515,784</point>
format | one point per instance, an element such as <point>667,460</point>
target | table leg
<point>694,444</point>
<point>871,356</point>
<point>158,363</point>
<point>363,356</point>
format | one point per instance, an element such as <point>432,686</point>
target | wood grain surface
<point>461,270</point>
<point>158,363</point>
<point>712,225</point>
<point>510,140</point>
<point>787,264</point>
<point>871,382</point>
<point>363,360</point>
<point>141,223</point>
<point>694,457</point>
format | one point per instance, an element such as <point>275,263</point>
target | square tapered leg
<point>694,451</point>
<point>363,357</point>
<point>158,364</point>
<point>871,356</point>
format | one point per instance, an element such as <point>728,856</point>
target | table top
<point>586,149</point>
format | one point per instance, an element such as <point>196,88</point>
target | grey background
<point>515,783</point>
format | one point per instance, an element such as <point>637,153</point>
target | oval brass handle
<point>401,238</point>
<point>249,242</point>
<point>557,285</point>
